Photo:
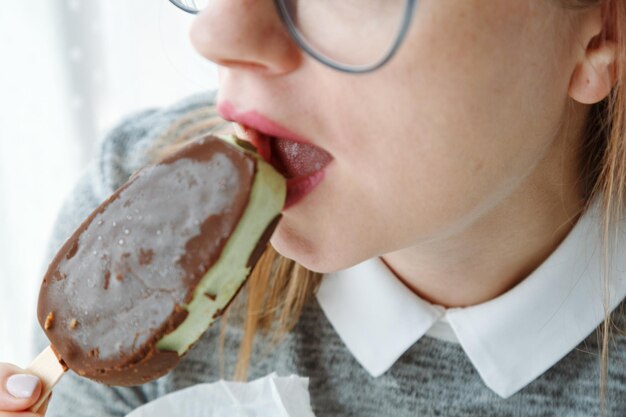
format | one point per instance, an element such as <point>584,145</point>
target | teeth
<point>257,139</point>
<point>240,131</point>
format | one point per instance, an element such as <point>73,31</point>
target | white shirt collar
<point>510,340</point>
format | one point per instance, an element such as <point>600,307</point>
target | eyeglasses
<point>353,36</point>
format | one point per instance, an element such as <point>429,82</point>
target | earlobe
<point>595,76</point>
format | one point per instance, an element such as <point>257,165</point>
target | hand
<point>19,390</point>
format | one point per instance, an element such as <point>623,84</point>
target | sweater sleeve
<point>122,151</point>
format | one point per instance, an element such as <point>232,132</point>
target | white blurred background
<point>69,70</point>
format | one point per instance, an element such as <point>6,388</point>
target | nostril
<point>235,64</point>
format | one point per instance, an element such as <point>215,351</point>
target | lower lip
<point>298,188</point>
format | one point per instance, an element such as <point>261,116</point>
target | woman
<point>455,156</point>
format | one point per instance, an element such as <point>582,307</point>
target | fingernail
<point>22,385</point>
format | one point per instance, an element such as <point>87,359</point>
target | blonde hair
<point>278,288</point>
<point>606,164</point>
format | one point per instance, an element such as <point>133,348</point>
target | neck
<point>505,242</point>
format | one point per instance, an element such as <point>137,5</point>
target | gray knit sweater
<point>433,378</point>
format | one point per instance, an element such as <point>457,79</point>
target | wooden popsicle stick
<point>50,370</point>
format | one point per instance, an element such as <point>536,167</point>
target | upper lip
<point>270,140</point>
<point>258,122</point>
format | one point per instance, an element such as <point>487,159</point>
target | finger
<point>18,414</point>
<point>19,389</point>
<point>44,407</point>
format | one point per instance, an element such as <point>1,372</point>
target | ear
<point>595,74</point>
<point>594,78</point>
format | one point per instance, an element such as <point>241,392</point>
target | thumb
<point>44,407</point>
<point>19,389</point>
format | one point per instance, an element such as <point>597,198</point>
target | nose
<point>245,34</point>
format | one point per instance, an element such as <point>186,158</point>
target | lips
<point>292,159</point>
<point>300,163</point>
<point>295,157</point>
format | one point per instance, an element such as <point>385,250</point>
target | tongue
<point>298,159</point>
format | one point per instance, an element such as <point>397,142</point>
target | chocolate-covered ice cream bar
<point>145,275</point>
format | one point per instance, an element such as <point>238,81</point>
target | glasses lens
<point>349,32</point>
<point>191,5</point>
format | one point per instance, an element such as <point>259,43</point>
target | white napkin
<point>269,396</point>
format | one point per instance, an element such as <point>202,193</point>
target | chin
<point>301,250</point>
<point>304,253</point>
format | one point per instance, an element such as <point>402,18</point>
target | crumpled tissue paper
<point>269,396</point>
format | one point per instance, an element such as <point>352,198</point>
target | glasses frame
<point>302,43</point>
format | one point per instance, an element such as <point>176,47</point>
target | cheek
<point>423,147</point>
<point>399,184</point>
<point>395,184</point>
<point>357,214</point>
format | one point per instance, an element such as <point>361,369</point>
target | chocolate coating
<point>117,285</point>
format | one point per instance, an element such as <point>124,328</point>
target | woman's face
<point>422,147</point>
